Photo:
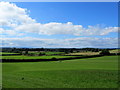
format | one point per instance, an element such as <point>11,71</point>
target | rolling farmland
<point>100,72</point>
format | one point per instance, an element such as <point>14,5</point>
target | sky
<point>59,24</point>
<point>61,0</point>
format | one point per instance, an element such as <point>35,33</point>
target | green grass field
<point>100,72</point>
<point>33,57</point>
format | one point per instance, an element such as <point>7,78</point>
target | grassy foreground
<point>100,72</point>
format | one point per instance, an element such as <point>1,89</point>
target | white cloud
<point>1,30</point>
<point>53,28</point>
<point>17,19</point>
<point>11,14</point>
<point>60,43</point>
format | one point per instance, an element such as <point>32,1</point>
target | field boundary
<point>10,54</point>
<point>52,59</point>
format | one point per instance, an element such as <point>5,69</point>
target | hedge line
<point>9,54</point>
<point>52,59</point>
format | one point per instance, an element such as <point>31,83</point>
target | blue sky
<point>64,21</point>
<point>85,13</point>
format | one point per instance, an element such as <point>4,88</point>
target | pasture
<point>100,72</point>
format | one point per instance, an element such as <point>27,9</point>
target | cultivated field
<point>100,72</point>
<point>115,51</point>
<point>84,53</point>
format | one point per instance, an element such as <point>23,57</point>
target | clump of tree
<point>25,52</point>
<point>31,54</point>
<point>41,54</point>
<point>53,58</point>
<point>105,52</point>
<point>66,52</point>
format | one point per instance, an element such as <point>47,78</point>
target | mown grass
<point>34,57</point>
<point>100,72</point>
<point>61,79</point>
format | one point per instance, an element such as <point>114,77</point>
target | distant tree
<point>71,50</point>
<point>30,54</point>
<point>105,52</point>
<point>42,49</point>
<point>20,52</point>
<point>66,51</point>
<point>53,58</point>
<point>26,52</point>
<point>40,54</point>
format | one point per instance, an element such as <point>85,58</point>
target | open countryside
<point>60,73</point>
<point>59,45</point>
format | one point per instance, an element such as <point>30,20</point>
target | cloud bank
<point>60,43</point>
<point>15,20</point>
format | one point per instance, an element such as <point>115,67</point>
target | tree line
<point>66,50</point>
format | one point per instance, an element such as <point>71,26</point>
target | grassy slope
<point>98,72</point>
